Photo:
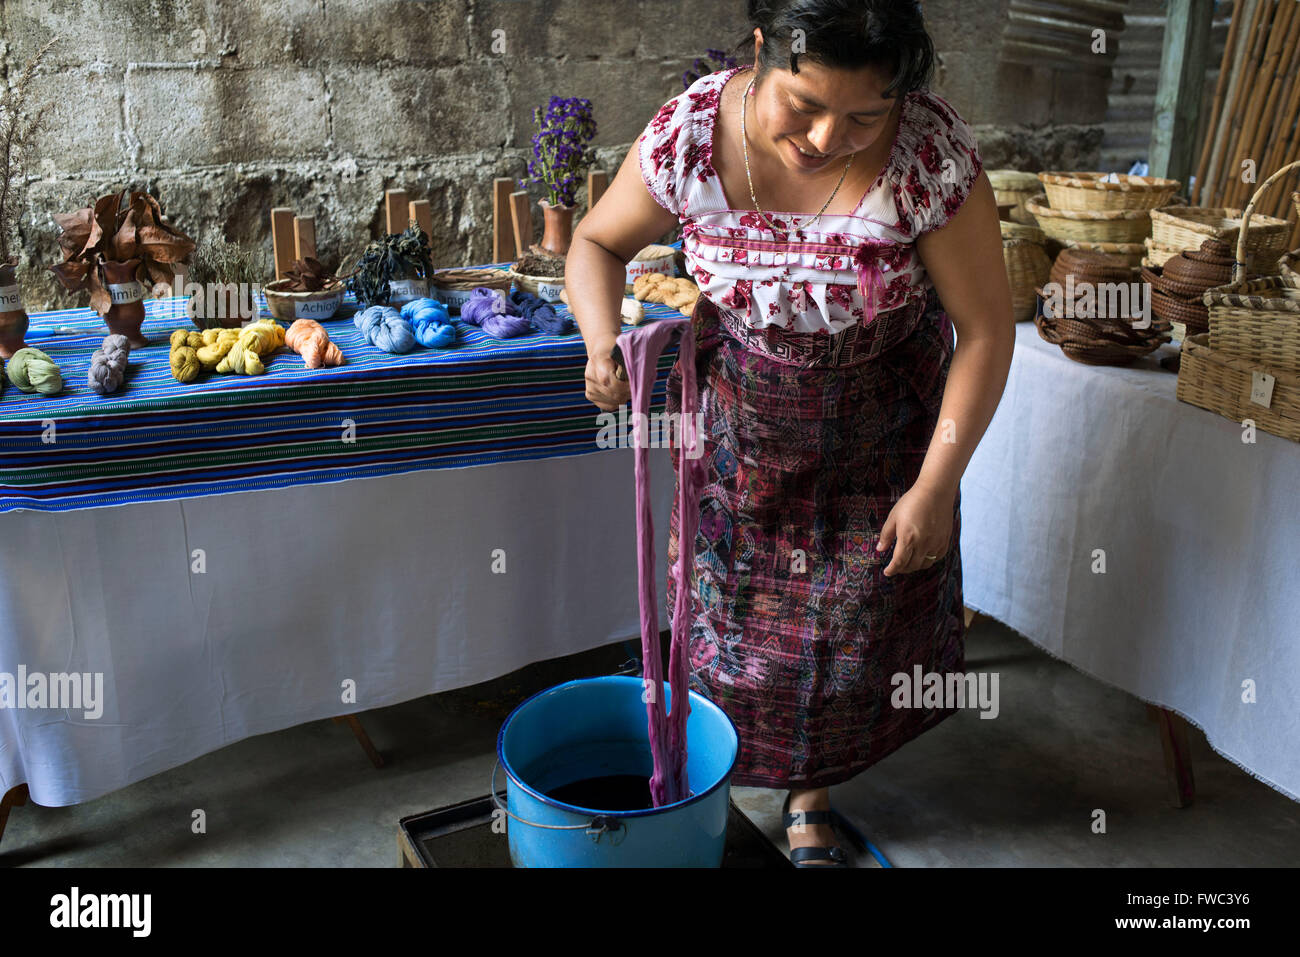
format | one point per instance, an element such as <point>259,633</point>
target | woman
<point>838,222</point>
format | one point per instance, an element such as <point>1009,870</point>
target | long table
<point>1142,540</point>
<point>231,566</point>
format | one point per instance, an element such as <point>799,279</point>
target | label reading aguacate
<point>550,291</point>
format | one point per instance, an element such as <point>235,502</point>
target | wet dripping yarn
<point>108,365</point>
<point>385,329</point>
<point>431,323</point>
<point>491,311</point>
<point>33,371</point>
<point>308,338</point>
<point>540,313</point>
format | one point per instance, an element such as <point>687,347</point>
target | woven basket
<point>1159,253</point>
<point>1211,380</point>
<point>1186,227</point>
<point>1087,191</point>
<point>548,287</point>
<point>1014,186</point>
<point>1092,226</point>
<point>1289,268</point>
<point>1021,231</point>
<point>1190,314</point>
<point>1027,269</point>
<point>1131,253</point>
<point>1256,320</point>
<point>1101,342</point>
<point>454,286</point>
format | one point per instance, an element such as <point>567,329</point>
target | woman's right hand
<point>607,384</point>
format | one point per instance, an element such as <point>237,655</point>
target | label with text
<point>125,292</point>
<point>406,290</point>
<point>10,299</point>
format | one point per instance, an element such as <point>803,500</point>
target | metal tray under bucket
<point>597,727</point>
<point>461,835</point>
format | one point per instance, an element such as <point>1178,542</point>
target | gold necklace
<point>744,143</point>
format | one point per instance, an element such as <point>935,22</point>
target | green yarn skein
<point>33,371</point>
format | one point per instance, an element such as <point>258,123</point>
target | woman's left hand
<point>919,527</point>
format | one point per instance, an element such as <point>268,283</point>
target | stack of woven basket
<point>1178,289</point>
<point>1102,212</point>
<point>1247,367</point>
<point>1093,309</point>
<point>1013,187</point>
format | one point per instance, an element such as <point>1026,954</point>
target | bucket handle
<point>598,825</point>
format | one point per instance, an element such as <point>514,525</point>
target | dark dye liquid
<point>614,792</point>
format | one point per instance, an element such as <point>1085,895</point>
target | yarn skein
<point>540,313</point>
<point>33,371</point>
<point>385,329</point>
<point>489,309</point>
<point>184,355</point>
<point>308,338</point>
<point>430,322</point>
<point>257,339</point>
<point>108,365</point>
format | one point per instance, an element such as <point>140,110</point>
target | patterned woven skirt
<point>796,632</point>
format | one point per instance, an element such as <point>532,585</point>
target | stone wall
<point>228,108</point>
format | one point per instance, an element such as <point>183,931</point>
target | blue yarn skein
<point>432,325</point>
<point>540,313</point>
<point>384,328</point>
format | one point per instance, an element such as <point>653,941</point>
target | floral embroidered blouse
<point>843,270</point>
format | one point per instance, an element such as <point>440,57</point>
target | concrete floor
<point>1016,791</point>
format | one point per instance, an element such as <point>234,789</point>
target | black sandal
<point>800,856</point>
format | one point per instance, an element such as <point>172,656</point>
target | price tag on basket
<point>1261,388</point>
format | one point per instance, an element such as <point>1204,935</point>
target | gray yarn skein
<point>108,365</point>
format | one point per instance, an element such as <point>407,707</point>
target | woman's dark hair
<point>844,34</point>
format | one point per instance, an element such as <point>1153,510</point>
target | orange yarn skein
<point>308,338</point>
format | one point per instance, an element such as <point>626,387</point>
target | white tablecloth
<point>1200,598</point>
<point>388,583</point>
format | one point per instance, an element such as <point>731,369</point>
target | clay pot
<point>13,318</point>
<point>557,227</point>
<point>126,314</point>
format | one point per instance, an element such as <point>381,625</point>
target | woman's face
<point>813,121</point>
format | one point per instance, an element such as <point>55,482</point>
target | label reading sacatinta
<point>404,290</point>
<point>10,299</point>
<point>124,292</point>
<point>315,308</point>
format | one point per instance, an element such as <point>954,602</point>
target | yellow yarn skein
<point>255,340</point>
<point>216,344</point>
<point>183,357</point>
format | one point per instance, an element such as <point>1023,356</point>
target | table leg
<point>971,615</point>
<point>1178,756</point>
<point>362,738</point>
<point>14,797</point>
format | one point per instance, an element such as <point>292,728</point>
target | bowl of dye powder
<point>570,749</point>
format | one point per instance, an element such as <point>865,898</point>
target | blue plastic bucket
<point>596,727</point>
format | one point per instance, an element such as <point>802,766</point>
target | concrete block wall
<point>230,107</point>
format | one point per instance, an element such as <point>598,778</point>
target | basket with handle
<point>1186,227</point>
<point>1220,383</point>
<point>1257,320</point>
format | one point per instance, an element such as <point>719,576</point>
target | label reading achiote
<point>315,308</point>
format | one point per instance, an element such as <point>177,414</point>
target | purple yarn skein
<point>490,310</point>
